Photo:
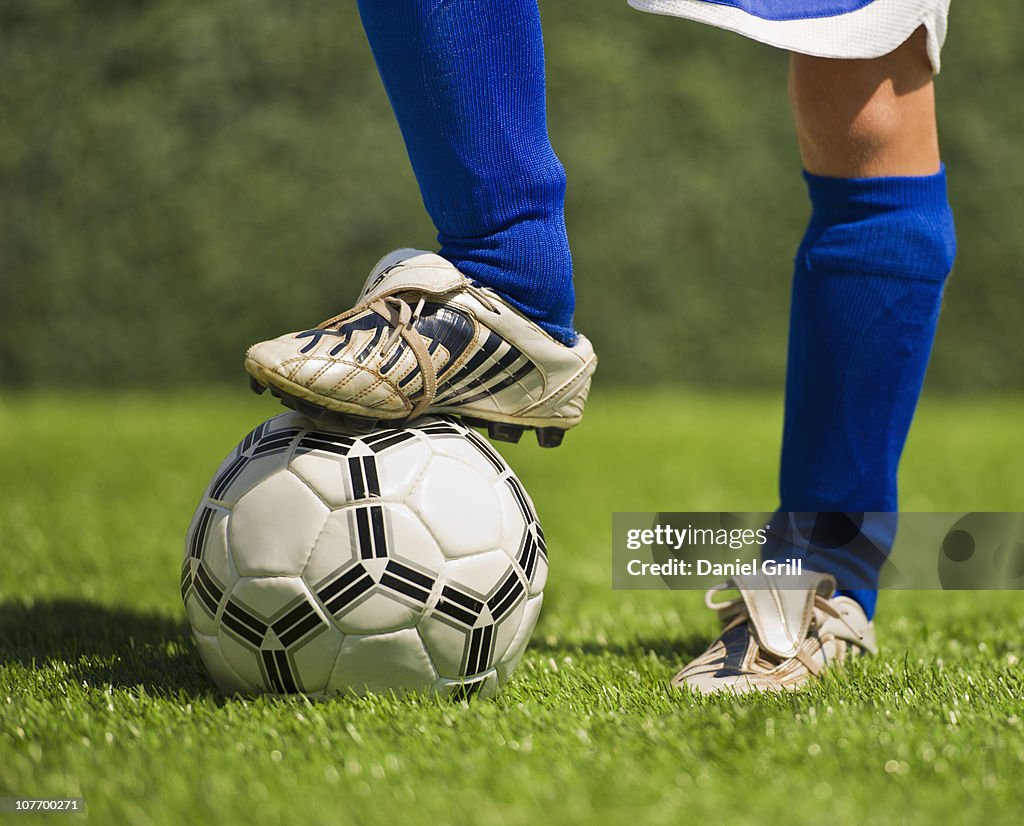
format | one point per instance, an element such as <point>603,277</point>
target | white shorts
<point>825,28</point>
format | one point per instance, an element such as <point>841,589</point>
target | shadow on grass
<point>101,645</point>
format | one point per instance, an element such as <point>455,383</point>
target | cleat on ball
<point>422,339</point>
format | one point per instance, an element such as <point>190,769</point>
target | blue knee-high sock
<point>866,296</point>
<point>466,81</point>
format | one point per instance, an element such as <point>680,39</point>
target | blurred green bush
<point>178,179</point>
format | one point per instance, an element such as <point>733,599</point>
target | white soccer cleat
<point>423,339</point>
<point>776,636</point>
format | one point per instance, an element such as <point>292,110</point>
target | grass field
<point>102,694</point>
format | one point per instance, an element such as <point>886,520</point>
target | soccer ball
<point>324,561</point>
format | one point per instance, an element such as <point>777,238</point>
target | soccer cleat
<point>777,638</point>
<point>423,339</point>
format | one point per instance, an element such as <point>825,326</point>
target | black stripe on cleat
<point>256,387</point>
<point>504,432</point>
<point>550,436</point>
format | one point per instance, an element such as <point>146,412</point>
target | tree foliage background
<point>179,179</point>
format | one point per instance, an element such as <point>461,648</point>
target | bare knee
<point>864,118</point>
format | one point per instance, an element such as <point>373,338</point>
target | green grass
<point>102,694</point>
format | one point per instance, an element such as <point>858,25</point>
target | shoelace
<point>734,613</point>
<point>401,316</point>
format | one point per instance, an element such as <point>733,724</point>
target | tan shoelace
<point>402,318</point>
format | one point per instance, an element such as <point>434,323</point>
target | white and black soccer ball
<point>327,562</point>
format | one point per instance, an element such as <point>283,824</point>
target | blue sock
<point>866,296</point>
<point>466,81</point>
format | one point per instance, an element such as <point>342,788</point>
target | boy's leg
<point>485,330</point>
<point>867,286</point>
<point>867,289</point>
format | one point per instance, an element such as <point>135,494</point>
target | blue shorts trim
<point>793,9</point>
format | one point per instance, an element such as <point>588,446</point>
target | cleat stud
<point>307,409</point>
<point>358,424</point>
<point>480,424</point>
<point>504,432</point>
<point>550,436</point>
<point>256,387</point>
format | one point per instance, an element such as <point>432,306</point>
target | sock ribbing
<point>867,290</point>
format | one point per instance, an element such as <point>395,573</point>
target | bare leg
<point>866,118</point>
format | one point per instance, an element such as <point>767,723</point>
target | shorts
<point>824,28</point>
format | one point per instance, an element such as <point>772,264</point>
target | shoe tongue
<point>781,608</point>
<point>409,270</point>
